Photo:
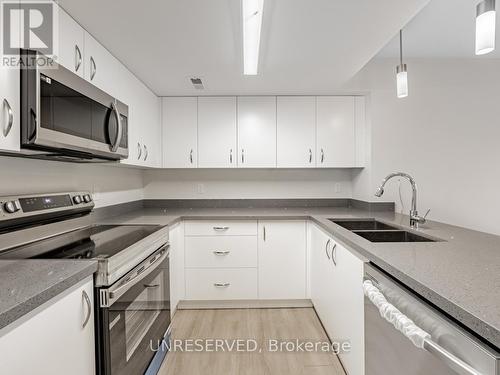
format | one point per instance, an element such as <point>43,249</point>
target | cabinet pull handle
<point>139,151</point>
<point>191,156</point>
<point>221,228</point>
<point>146,153</point>
<point>7,129</point>
<point>219,252</point>
<point>264,232</point>
<point>310,156</point>
<point>78,58</point>
<point>322,156</point>
<point>242,156</point>
<point>231,156</point>
<point>89,308</point>
<point>326,248</point>
<point>334,255</point>
<point>93,68</point>
<point>221,285</point>
<point>151,286</point>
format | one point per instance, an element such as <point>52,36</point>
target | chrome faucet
<point>415,219</point>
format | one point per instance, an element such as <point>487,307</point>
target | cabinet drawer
<point>221,252</point>
<point>221,283</point>
<point>221,228</point>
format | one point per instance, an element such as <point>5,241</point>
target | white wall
<point>446,134</point>
<point>109,184</point>
<point>247,183</point>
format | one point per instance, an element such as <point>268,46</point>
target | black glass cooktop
<point>95,242</point>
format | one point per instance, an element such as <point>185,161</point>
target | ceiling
<point>443,29</point>
<point>307,46</point>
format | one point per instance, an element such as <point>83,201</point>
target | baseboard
<point>244,304</point>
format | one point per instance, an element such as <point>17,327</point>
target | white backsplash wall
<point>109,184</point>
<point>446,134</point>
<point>246,183</point>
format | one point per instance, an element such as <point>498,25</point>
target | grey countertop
<point>460,274</point>
<point>27,284</point>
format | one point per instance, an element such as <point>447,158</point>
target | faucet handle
<point>427,213</point>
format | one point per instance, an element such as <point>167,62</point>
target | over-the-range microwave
<point>67,118</point>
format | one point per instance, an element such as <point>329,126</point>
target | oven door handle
<point>420,338</point>
<point>110,295</point>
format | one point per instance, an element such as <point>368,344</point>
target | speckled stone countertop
<point>460,274</point>
<point>26,284</point>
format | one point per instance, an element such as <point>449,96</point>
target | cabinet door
<point>177,278</point>
<point>180,132</point>
<point>54,340</point>
<point>296,119</point>
<point>282,249</point>
<point>217,132</point>
<point>10,112</point>
<point>71,43</point>
<point>336,129</point>
<point>257,132</point>
<point>100,67</point>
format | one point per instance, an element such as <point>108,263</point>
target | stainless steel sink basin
<point>392,236</point>
<point>361,224</point>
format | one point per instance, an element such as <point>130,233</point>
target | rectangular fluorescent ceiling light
<point>252,23</point>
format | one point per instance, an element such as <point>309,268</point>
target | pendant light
<point>401,72</point>
<point>485,27</point>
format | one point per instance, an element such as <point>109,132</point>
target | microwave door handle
<point>116,143</point>
<point>420,338</point>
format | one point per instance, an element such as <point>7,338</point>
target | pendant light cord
<point>401,47</point>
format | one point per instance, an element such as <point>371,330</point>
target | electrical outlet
<point>338,188</point>
<point>201,188</point>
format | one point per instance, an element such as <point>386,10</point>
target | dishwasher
<point>406,335</point>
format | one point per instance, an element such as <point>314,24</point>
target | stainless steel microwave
<point>65,117</point>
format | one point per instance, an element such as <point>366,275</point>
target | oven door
<point>134,317</point>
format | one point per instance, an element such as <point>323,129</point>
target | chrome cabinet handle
<point>310,156</point>
<point>221,228</point>
<point>231,156</point>
<point>89,308</point>
<point>334,254</point>
<point>264,232</point>
<point>93,68</point>
<point>151,286</point>
<point>221,285</point>
<point>78,58</point>
<point>139,151</point>
<point>326,248</point>
<point>219,252</point>
<point>7,129</point>
<point>146,153</point>
<point>119,133</point>
<point>322,156</point>
<point>242,156</point>
<point>191,156</point>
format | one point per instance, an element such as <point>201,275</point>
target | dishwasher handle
<point>420,338</point>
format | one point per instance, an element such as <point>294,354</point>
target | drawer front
<point>221,252</point>
<point>221,228</point>
<point>221,284</point>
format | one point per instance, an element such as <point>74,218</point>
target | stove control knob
<point>11,207</point>
<point>87,198</point>
<point>77,199</point>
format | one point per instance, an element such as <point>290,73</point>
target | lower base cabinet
<point>54,340</point>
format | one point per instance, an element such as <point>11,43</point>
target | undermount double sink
<point>377,231</point>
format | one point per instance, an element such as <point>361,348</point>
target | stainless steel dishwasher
<point>442,346</point>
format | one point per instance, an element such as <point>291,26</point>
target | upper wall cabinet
<point>296,123</point>
<point>217,132</point>
<point>257,132</point>
<point>336,131</point>
<point>71,43</point>
<point>180,131</point>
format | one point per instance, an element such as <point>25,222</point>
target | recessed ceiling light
<point>485,27</point>
<point>252,23</point>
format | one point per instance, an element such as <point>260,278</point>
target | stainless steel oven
<point>64,116</point>
<point>134,318</point>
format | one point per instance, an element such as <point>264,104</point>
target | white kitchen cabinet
<point>180,132</point>
<point>10,111</point>
<point>336,131</point>
<point>337,296</point>
<point>296,131</point>
<point>176,265</point>
<point>54,341</point>
<point>217,132</point>
<point>257,131</point>
<point>71,43</point>
<point>282,249</point>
